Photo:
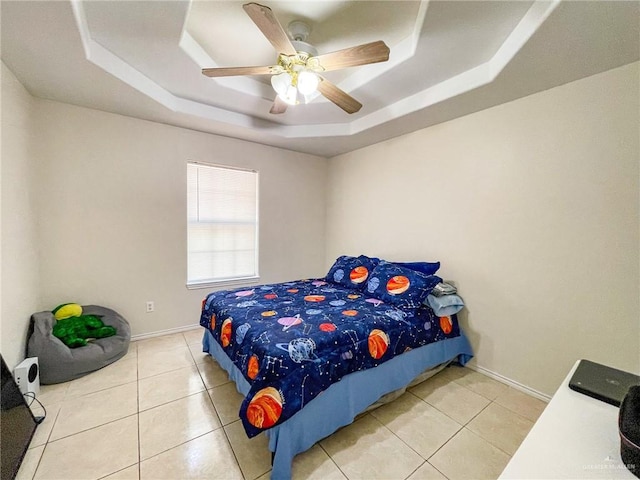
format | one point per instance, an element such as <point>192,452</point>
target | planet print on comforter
<point>293,340</point>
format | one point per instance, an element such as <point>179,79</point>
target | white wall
<point>112,210</point>
<point>20,286</point>
<point>532,207</point>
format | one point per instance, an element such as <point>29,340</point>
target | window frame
<point>228,281</point>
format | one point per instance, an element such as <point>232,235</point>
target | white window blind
<point>222,219</point>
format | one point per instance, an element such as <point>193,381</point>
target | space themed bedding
<point>343,401</point>
<point>293,340</point>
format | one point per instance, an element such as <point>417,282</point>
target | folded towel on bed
<point>443,288</point>
<point>445,305</point>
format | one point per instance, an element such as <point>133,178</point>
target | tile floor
<point>168,411</point>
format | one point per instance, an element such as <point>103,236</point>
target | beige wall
<point>531,206</point>
<point>112,211</point>
<point>20,287</point>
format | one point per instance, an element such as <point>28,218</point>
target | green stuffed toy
<point>74,329</point>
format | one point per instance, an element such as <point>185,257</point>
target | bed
<point>310,355</point>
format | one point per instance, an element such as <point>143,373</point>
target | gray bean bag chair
<point>59,363</point>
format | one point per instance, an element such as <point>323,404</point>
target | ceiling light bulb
<point>291,95</point>
<point>307,82</point>
<point>281,83</point>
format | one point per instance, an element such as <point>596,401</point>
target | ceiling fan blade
<point>232,71</point>
<point>339,97</point>
<point>373,52</point>
<point>279,106</point>
<point>268,24</point>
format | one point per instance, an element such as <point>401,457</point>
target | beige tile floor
<point>168,411</point>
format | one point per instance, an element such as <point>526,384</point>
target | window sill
<point>224,283</point>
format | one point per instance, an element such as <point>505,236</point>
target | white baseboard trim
<point>159,333</point>
<point>511,383</point>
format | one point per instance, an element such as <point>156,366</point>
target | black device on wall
<point>17,425</point>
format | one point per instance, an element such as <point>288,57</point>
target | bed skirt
<point>339,404</point>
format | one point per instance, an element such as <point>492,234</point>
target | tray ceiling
<point>448,58</point>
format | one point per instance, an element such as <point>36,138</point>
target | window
<point>222,224</point>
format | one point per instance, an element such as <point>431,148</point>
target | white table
<point>575,437</point>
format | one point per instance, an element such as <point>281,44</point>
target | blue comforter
<point>293,340</point>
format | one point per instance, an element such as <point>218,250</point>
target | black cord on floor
<point>33,398</point>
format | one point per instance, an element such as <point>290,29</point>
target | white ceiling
<point>448,59</point>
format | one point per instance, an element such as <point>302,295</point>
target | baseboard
<point>159,333</point>
<point>511,383</point>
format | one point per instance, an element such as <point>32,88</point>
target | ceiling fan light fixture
<point>307,82</point>
<point>290,97</point>
<point>281,83</point>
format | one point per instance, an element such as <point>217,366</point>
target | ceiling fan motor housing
<point>304,48</point>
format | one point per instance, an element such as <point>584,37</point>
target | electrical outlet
<point>150,307</point>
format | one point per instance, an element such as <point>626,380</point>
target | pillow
<point>351,272</point>
<point>400,286</point>
<point>374,260</point>
<point>428,268</point>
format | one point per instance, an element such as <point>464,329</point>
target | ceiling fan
<point>297,72</point>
